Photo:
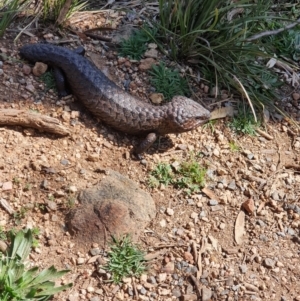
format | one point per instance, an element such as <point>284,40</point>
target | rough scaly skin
<point>114,106</point>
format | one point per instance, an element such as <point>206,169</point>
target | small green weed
<point>162,174</point>
<point>210,125</point>
<point>17,283</point>
<point>136,45</point>
<point>189,176</point>
<point>19,215</point>
<point>244,122</point>
<point>168,82</point>
<point>234,147</point>
<point>125,259</point>
<point>3,235</point>
<point>192,177</point>
<point>48,79</point>
<point>16,180</point>
<point>27,187</point>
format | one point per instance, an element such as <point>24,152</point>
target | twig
<point>199,260</point>
<point>273,32</point>
<point>197,287</point>
<point>33,120</point>
<point>6,206</point>
<point>264,134</point>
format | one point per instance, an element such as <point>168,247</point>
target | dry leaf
<point>221,113</point>
<point>239,228</point>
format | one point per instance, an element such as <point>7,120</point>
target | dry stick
<point>273,32</point>
<point>63,12</point>
<point>6,206</point>
<point>199,260</point>
<point>33,120</point>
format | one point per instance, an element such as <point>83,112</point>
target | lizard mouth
<point>193,123</point>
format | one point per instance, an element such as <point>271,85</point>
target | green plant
<point>19,215</point>
<point>192,176</point>
<point>162,174</point>
<point>27,187</point>
<point>125,259</point>
<point>9,9</point>
<point>16,180</point>
<point>17,282</point>
<point>3,235</point>
<point>244,122</point>
<point>189,175</point>
<point>234,147</point>
<point>136,45</point>
<point>52,8</point>
<point>48,79</point>
<point>210,125</point>
<point>212,35</point>
<point>168,82</point>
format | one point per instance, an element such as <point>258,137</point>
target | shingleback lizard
<point>114,106</point>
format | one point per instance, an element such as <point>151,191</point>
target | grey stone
<point>176,292</point>
<point>64,162</point>
<point>114,207</point>
<point>243,268</point>
<point>269,263</point>
<point>206,294</point>
<point>213,202</point>
<point>232,185</point>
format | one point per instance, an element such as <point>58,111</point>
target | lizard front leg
<point>144,145</point>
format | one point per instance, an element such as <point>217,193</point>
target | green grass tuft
<point>125,260</point>
<point>212,36</point>
<point>136,45</point>
<point>48,79</point>
<point>244,123</point>
<point>17,283</point>
<point>189,176</point>
<point>9,9</point>
<point>168,82</point>
<point>52,8</point>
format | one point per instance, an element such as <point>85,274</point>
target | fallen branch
<point>273,32</point>
<point>33,120</point>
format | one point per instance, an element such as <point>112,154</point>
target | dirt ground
<point>41,174</point>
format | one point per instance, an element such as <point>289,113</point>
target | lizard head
<point>184,114</point>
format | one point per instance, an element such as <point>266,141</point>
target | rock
<point>269,263</point>
<point>232,185</point>
<point>213,202</point>
<point>191,297</point>
<point>169,267</point>
<point>188,257</point>
<point>146,64</point>
<point>51,205</point>
<point>115,207</point>
<point>26,69</point>
<point>249,206</point>
<point>296,96</point>
<point>206,294</point>
<point>39,69</point>
<point>156,98</point>
<point>170,211</point>
<point>30,88</point>
<point>80,260</point>
<point>7,186</point>
<point>152,53</point>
